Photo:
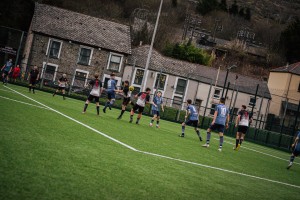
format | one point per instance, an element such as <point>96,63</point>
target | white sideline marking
<point>260,152</point>
<point>23,102</point>
<point>78,122</point>
<point>157,155</point>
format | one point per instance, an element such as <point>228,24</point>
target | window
<point>181,84</point>
<point>114,62</point>
<point>252,101</point>
<point>49,72</point>
<point>85,55</point>
<point>217,94</point>
<point>55,47</point>
<point>198,102</point>
<point>139,74</point>
<point>177,102</point>
<point>160,81</point>
<point>80,78</point>
<point>212,110</point>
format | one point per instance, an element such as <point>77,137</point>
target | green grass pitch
<point>44,155</point>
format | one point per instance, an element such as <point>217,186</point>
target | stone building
<point>62,41</point>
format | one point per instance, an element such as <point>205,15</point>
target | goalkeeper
<point>127,94</point>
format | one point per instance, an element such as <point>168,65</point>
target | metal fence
<point>268,129</point>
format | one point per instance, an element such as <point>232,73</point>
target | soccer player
<point>242,122</point>
<point>296,149</point>
<point>62,83</point>
<point>111,89</point>
<point>158,102</point>
<point>219,123</point>
<point>126,99</point>
<point>95,93</point>
<point>143,99</point>
<point>16,73</point>
<point>33,78</point>
<point>191,118</point>
<point>6,71</point>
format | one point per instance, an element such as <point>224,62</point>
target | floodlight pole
<point>143,86</point>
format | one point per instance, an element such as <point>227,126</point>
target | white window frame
<point>50,64</point>
<point>91,56</point>
<point>119,79</point>
<point>48,46</point>
<point>134,73</point>
<point>115,54</point>
<point>221,89</point>
<point>180,95</point>
<point>82,71</point>
<point>166,83</point>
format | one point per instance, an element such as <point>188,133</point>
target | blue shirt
<point>158,101</point>
<point>111,85</point>
<point>7,67</point>
<point>193,112</point>
<point>222,114</point>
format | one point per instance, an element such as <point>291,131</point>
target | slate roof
<point>82,28</point>
<point>293,68</point>
<point>197,72</point>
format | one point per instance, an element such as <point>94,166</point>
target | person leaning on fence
<point>6,71</point>
<point>158,102</point>
<point>242,123</point>
<point>219,123</point>
<point>296,150</point>
<point>16,73</point>
<point>62,83</point>
<point>191,118</point>
<point>95,93</point>
<point>33,78</point>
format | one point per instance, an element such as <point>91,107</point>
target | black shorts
<point>243,129</point>
<point>139,108</point>
<point>61,88</point>
<point>32,81</point>
<point>91,97</point>
<point>156,112</point>
<point>126,101</point>
<point>217,127</point>
<point>5,73</point>
<point>193,123</point>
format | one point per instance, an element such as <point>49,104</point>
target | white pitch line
<point>260,152</point>
<point>157,155</point>
<point>29,104</point>
<point>78,122</point>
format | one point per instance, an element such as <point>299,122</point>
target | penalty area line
<point>154,154</point>
<point>22,102</point>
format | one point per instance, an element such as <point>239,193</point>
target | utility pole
<point>144,80</point>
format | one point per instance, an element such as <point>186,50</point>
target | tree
<point>234,9</point>
<point>223,5</point>
<point>242,12</point>
<point>290,41</point>
<point>248,14</point>
<point>174,3</point>
<point>206,6</point>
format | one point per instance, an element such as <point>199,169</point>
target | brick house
<point>181,80</point>
<point>75,44</point>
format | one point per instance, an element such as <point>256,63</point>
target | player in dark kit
<point>296,150</point>
<point>126,99</point>
<point>62,83</point>
<point>33,78</point>
<point>95,93</point>
<point>242,122</point>
<point>193,117</point>
<point>143,99</point>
